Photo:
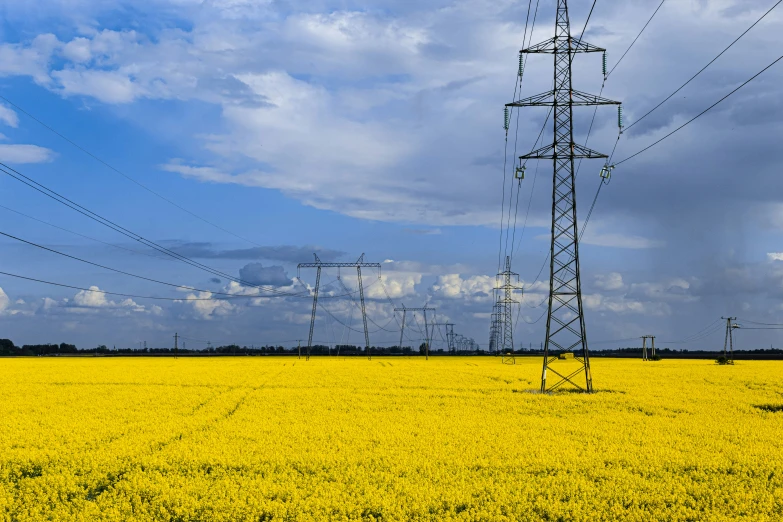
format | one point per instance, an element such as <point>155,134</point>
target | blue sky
<point>352,128</point>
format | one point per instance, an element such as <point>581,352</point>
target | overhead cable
<point>705,67</point>
<point>118,228</point>
<point>637,37</point>
<point>702,113</point>
<point>129,178</point>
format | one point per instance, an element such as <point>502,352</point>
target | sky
<point>247,135</point>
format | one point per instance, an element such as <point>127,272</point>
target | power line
<point>129,178</point>
<point>81,235</point>
<point>705,332</point>
<point>756,322</point>
<point>753,328</point>
<point>330,314</point>
<point>637,37</point>
<point>129,274</point>
<point>702,112</point>
<point>609,161</point>
<point>118,228</point>
<point>523,62</point>
<point>134,296</point>
<point>705,67</point>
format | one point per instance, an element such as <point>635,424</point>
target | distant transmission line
<point>702,112</point>
<point>124,231</point>
<point>81,235</point>
<point>129,178</point>
<point>129,274</point>
<point>705,67</point>
<point>637,37</point>
<point>134,296</point>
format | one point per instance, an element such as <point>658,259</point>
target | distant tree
<point>67,348</point>
<point>7,347</point>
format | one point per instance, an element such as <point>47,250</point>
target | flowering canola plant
<point>452,438</point>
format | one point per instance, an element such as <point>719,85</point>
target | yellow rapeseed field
<point>452,438</point>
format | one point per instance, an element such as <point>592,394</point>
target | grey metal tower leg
<point>315,306</point>
<point>364,312</point>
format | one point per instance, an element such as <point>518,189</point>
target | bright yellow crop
<point>452,438</point>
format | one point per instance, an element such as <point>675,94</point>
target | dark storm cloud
<point>258,274</point>
<point>285,253</point>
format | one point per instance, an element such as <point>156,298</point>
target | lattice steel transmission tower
<point>506,301</point>
<point>449,336</point>
<point>495,327</point>
<point>427,334</point>
<point>318,264</point>
<point>565,325</point>
<point>729,341</point>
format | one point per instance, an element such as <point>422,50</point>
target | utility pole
<point>176,348</point>
<point>424,310</point>
<point>565,325</point>
<point>299,349</point>
<point>644,347</point>
<point>318,265</point>
<point>729,341</point>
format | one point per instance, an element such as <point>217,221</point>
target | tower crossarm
<point>559,45</point>
<point>548,99</point>
<point>550,152</point>
<point>338,265</point>
<point>359,263</point>
<point>421,309</point>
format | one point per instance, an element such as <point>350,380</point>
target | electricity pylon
<point>729,341</point>
<point>565,325</point>
<point>644,347</point>
<point>449,336</point>
<point>318,264</point>
<point>507,302</point>
<point>427,335</point>
<point>495,327</point>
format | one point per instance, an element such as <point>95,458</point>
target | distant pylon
<point>318,264</point>
<point>644,347</point>
<point>729,341</point>
<point>507,302</point>
<point>495,327</point>
<point>427,333</point>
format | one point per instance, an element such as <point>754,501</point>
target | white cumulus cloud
<point>25,154</point>
<point>8,116</point>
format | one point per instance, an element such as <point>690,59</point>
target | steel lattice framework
<point>427,334</point>
<point>505,335</point>
<point>449,336</point>
<point>565,326</point>
<point>728,343</point>
<point>318,265</point>
<point>495,327</point>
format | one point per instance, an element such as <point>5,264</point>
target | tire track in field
<point>111,480</point>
